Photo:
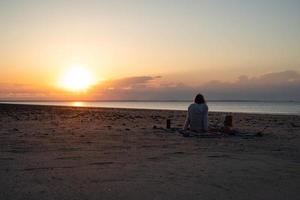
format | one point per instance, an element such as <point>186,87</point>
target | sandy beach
<point>50,152</point>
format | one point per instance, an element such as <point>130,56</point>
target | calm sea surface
<point>223,106</point>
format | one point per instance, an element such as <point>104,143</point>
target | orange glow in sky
<point>131,43</point>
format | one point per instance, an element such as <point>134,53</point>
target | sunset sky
<point>149,49</point>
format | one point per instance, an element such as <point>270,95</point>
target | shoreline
<point>146,109</point>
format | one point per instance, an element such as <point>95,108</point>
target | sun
<point>77,79</point>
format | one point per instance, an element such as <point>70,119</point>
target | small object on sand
<point>294,125</point>
<point>259,134</point>
<point>228,121</point>
<point>228,125</point>
<point>168,123</point>
<point>186,134</point>
<point>228,130</point>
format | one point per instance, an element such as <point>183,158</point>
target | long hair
<point>199,99</point>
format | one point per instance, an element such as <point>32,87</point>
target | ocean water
<point>267,107</point>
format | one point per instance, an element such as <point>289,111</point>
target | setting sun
<point>77,79</point>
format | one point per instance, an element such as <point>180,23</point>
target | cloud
<point>283,85</point>
<point>271,86</point>
<point>129,82</point>
<point>125,88</point>
<point>9,91</point>
<point>19,91</point>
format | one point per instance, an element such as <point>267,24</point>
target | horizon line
<point>130,100</point>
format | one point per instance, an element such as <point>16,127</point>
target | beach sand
<point>50,152</point>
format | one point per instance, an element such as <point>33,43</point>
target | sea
<point>263,107</point>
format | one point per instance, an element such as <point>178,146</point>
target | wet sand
<point>49,152</point>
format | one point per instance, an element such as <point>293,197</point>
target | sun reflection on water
<point>77,104</point>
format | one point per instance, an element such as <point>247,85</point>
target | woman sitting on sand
<point>197,115</point>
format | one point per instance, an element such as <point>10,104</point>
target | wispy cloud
<point>129,83</point>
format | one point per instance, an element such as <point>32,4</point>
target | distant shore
<point>62,152</point>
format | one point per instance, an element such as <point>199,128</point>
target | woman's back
<point>197,117</point>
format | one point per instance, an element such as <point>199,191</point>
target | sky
<point>151,49</point>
